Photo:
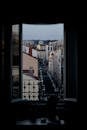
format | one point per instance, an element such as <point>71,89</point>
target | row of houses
<point>56,61</point>
<point>42,50</point>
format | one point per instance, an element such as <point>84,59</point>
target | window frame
<point>20,57</point>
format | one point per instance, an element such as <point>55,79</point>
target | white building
<point>41,51</point>
<point>34,53</point>
<point>54,64</point>
<point>48,48</point>
<point>27,42</point>
<point>51,63</point>
<point>41,42</point>
<point>25,49</point>
<point>41,55</point>
<point>30,89</point>
<point>57,65</point>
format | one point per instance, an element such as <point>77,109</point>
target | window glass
<point>42,60</point>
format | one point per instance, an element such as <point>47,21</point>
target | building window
<point>28,83</point>
<point>33,87</point>
<point>24,87</point>
<point>24,96</point>
<point>33,96</point>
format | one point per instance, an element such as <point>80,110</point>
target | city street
<point>48,86</point>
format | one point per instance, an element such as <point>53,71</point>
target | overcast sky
<point>43,32</point>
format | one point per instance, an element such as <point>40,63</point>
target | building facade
<point>41,51</point>
<point>30,62</point>
<point>30,86</point>
<point>56,68</point>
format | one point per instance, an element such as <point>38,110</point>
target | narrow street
<point>48,86</point>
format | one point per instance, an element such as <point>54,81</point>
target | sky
<point>43,32</point>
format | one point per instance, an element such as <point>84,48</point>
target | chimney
<point>30,50</point>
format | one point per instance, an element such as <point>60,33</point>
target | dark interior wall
<point>1,76</point>
<point>7,62</point>
<point>71,63</point>
<point>2,61</point>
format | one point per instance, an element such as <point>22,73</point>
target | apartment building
<point>30,87</point>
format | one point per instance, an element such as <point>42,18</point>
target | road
<point>48,86</point>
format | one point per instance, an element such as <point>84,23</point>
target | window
<point>24,87</point>
<point>33,87</point>
<point>45,67</point>
<point>24,96</point>
<point>28,83</point>
<point>20,78</point>
<point>37,64</point>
